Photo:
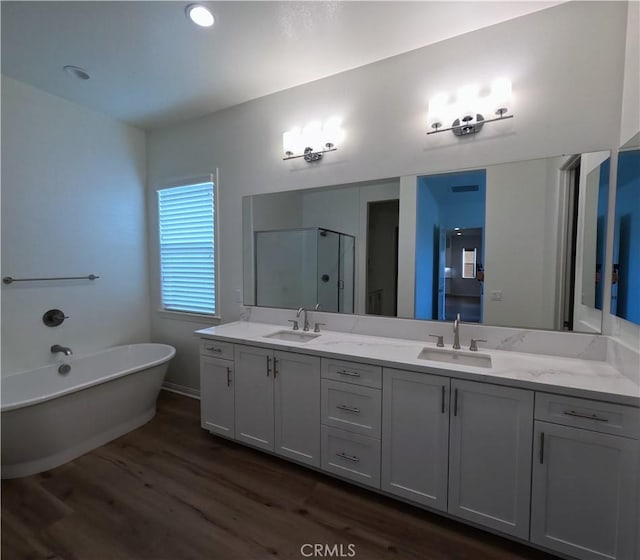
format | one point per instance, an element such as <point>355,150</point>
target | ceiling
<point>150,66</point>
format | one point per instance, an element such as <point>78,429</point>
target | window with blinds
<point>186,217</point>
<point>468,263</point>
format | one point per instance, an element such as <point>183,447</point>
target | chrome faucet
<point>306,320</point>
<point>57,348</point>
<point>456,333</point>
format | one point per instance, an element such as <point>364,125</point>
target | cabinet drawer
<point>351,407</point>
<point>351,455</point>
<point>596,416</point>
<point>216,349</point>
<point>352,372</point>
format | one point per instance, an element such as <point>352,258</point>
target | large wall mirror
<point>518,244</point>
<point>625,287</point>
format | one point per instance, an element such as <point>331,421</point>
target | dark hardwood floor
<point>170,491</point>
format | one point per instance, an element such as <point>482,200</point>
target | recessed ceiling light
<point>199,15</point>
<point>77,72</point>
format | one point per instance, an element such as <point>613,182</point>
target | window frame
<point>473,250</point>
<point>191,315</point>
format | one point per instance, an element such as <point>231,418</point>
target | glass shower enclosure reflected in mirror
<point>625,289</point>
<point>305,268</point>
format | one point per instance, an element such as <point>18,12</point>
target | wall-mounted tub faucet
<point>57,348</point>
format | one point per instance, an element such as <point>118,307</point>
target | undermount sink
<point>292,336</point>
<point>455,357</point>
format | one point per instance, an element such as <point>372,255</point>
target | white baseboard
<point>181,390</point>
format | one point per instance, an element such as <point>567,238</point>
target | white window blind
<point>468,263</point>
<point>187,248</point>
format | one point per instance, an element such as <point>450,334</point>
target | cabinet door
<point>217,396</point>
<point>490,455</point>
<point>415,436</point>
<point>254,396</point>
<point>584,501</point>
<point>297,407</point>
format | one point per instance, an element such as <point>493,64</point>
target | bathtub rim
<point>6,407</point>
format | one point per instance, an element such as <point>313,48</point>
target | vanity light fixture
<point>200,15</point>
<point>466,113</point>
<point>313,141</point>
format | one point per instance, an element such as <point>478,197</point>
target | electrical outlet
<point>496,295</point>
<point>239,296</point>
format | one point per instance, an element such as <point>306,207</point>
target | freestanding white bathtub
<point>50,418</point>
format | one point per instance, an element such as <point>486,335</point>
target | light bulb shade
<point>501,95</point>
<point>332,133</point>
<point>437,110</point>
<point>312,136</point>
<point>200,15</point>
<point>291,141</point>
<point>467,104</point>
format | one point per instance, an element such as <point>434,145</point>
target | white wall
<point>73,203</point>
<point>567,92</point>
<point>279,211</point>
<point>336,210</point>
<point>630,115</point>
<point>407,246</point>
<point>517,245</point>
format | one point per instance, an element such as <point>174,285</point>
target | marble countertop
<point>569,376</point>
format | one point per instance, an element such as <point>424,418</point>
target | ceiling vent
<point>465,188</point>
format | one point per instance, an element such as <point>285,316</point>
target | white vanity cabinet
<point>490,455</point>
<point>277,402</point>
<point>415,436</point>
<point>560,472</point>
<point>217,386</point>
<point>585,480</point>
